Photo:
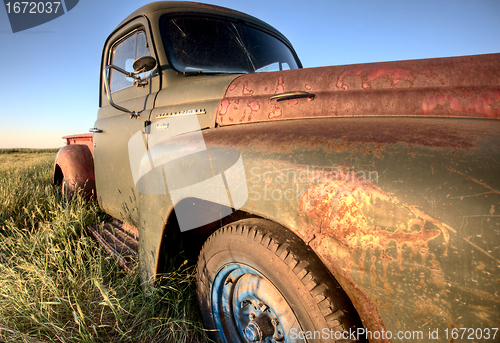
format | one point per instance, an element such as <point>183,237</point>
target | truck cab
<point>198,52</point>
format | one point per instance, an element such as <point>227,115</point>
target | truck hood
<point>467,86</point>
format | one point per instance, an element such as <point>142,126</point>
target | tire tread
<point>318,291</point>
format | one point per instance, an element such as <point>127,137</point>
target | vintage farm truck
<point>344,203</point>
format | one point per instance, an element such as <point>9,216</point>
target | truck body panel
<point>334,188</point>
<point>115,186</point>
<point>443,87</point>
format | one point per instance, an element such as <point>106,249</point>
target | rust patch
<point>277,112</point>
<point>381,242</point>
<point>223,107</point>
<point>393,74</point>
<point>466,101</point>
<point>347,211</point>
<point>247,91</point>
<point>254,106</point>
<point>280,88</point>
<point>355,72</point>
<point>354,213</point>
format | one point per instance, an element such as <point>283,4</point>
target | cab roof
<point>186,7</point>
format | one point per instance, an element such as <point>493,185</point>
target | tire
<point>67,192</point>
<point>257,281</point>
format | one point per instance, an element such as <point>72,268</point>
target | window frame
<point>115,44</point>
<point>165,40</point>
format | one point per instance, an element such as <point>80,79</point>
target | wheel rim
<point>247,307</point>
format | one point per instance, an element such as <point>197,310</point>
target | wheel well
<point>58,175</point>
<point>176,244</point>
<point>75,164</point>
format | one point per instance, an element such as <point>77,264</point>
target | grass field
<point>58,285</point>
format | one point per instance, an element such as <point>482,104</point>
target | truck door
<point>115,186</point>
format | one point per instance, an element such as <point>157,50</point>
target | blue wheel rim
<point>239,294</point>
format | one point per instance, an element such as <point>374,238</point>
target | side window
<point>273,67</point>
<point>123,55</point>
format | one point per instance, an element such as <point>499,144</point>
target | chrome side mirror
<point>144,64</point>
<point>140,65</point>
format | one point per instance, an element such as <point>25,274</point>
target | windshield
<point>210,45</point>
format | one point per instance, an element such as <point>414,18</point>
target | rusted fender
<point>403,211</point>
<point>75,165</point>
<point>466,86</point>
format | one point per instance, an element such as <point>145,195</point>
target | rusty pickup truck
<point>343,203</point>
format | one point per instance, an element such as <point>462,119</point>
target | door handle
<point>292,95</point>
<point>95,130</point>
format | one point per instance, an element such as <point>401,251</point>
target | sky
<point>51,71</point>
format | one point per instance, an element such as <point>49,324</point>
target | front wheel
<point>67,191</point>
<point>258,282</point>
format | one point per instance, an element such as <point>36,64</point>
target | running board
<point>120,240</point>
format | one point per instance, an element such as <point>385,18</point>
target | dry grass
<point>12,158</point>
<point>58,285</point>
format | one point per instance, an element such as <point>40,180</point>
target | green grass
<point>27,151</point>
<point>58,285</point>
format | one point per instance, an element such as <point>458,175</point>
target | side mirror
<point>141,65</point>
<point>144,64</point>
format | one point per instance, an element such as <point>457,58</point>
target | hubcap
<point>246,306</point>
<point>253,333</point>
<point>259,328</point>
